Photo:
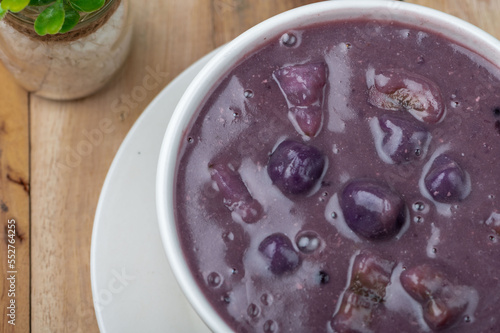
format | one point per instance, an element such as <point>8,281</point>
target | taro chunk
<point>235,194</point>
<point>398,140</point>
<point>295,168</point>
<point>303,84</point>
<point>370,276</point>
<point>372,210</point>
<point>443,303</point>
<point>398,90</point>
<point>308,119</point>
<point>446,181</point>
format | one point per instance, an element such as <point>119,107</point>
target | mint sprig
<point>59,16</point>
<point>2,12</point>
<point>14,6</point>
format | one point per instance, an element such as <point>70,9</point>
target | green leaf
<point>87,5</point>
<point>40,2</point>
<point>71,18</point>
<point>51,20</point>
<point>14,5</point>
<point>2,12</point>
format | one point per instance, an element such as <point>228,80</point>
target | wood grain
<point>482,13</point>
<point>73,144</point>
<point>14,202</point>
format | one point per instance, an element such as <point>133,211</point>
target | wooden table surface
<point>50,186</point>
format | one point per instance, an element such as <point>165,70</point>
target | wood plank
<point>14,205</point>
<point>482,13</point>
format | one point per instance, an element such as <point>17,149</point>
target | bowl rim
<point>463,33</point>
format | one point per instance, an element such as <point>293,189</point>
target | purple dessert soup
<point>344,177</point>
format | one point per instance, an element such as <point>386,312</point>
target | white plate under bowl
<point>133,287</point>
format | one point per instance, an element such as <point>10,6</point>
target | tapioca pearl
<point>270,326</point>
<point>295,168</point>
<point>372,210</point>
<point>446,181</point>
<point>266,299</point>
<point>289,39</point>
<point>308,241</point>
<point>214,280</point>
<point>253,310</point>
<point>279,253</point>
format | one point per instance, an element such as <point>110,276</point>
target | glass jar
<point>70,65</point>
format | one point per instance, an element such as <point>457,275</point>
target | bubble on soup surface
<point>289,39</point>
<point>398,140</point>
<point>248,93</point>
<point>253,310</point>
<point>279,253</point>
<point>418,206</point>
<point>302,84</point>
<point>270,326</point>
<point>372,210</point>
<point>399,90</point>
<point>235,193</point>
<point>295,168</point>
<point>308,241</point>
<point>214,280</point>
<point>446,181</point>
<point>266,299</point>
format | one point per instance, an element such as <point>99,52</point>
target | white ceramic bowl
<point>410,14</point>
